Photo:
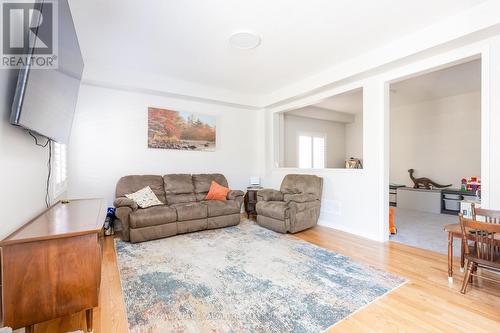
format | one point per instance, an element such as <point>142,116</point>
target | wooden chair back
<point>490,216</point>
<point>483,233</point>
<point>485,252</point>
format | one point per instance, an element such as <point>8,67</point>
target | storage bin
<point>452,196</point>
<point>451,204</point>
<point>471,198</point>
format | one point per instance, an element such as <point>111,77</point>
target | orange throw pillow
<point>217,192</point>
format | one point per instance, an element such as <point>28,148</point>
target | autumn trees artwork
<point>169,129</point>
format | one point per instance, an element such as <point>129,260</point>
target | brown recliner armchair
<point>295,207</point>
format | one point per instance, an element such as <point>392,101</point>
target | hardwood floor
<point>427,303</point>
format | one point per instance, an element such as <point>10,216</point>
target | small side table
<point>251,201</point>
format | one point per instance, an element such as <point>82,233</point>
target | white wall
<point>350,200</point>
<point>23,166</point>
<point>440,139</point>
<point>354,138</point>
<point>335,139</point>
<point>109,140</point>
<point>489,130</point>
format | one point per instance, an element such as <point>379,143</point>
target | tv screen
<point>45,99</point>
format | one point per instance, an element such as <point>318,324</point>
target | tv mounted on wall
<point>45,99</point>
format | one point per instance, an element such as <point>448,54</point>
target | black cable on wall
<point>49,165</point>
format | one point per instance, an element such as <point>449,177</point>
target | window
<point>59,169</point>
<point>311,151</point>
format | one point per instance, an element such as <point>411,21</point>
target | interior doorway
<point>435,152</point>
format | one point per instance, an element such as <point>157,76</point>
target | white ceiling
<point>455,80</point>
<point>322,114</point>
<point>187,40</point>
<point>338,108</point>
<point>348,102</point>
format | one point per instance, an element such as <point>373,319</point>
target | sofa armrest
<point>123,214</point>
<point>237,196</point>
<point>301,197</point>
<point>125,202</point>
<point>234,194</point>
<point>269,195</point>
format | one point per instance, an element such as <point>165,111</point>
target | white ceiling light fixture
<point>244,40</point>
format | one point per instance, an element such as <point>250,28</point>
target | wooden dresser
<point>51,266</point>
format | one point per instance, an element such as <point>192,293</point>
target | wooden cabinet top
<point>77,217</point>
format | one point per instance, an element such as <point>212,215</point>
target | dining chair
<point>485,251</point>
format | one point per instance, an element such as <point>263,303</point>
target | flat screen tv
<point>45,99</point>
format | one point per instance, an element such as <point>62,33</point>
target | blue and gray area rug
<point>242,279</point>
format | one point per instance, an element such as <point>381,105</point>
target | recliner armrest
<point>234,194</point>
<point>269,195</point>
<point>301,197</point>
<point>125,202</point>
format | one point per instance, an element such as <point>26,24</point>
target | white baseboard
<point>329,221</point>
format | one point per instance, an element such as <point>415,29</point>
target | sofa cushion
<point>190,211</point>
<point>152,232</point>
<point>178,183</point>
<point>219,208</point>
<point>152,216</point>
<point>202,183</point>
<point>295,184</point>
<point>223,221</point>
<point>179,188</point>
<point>191,226</point>
<point>275,209</point>
<point>131,184</point>
<point>180,198</point>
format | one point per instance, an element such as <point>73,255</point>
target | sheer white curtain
<point>311,151</point>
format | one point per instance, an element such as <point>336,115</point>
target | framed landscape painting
<point>169,129</point>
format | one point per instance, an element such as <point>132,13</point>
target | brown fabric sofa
<point>184,209</point>
<point>295,207</point>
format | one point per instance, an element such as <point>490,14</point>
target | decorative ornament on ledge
<point>353,163</point>
<point>169,129</point>
<point>424,182</point>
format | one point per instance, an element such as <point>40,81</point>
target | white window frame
<point>59,178</point>
<point>312,135</point>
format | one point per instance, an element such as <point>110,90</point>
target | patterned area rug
<point>242,279</point>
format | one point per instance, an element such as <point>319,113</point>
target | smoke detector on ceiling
<point>244,40</point>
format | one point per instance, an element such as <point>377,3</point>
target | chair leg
<point>467,277</point>
<point>462,256</point>
<point>474,270</point>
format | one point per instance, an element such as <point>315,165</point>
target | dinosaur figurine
<point>424,182</point>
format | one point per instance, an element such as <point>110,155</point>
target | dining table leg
<point>450,257</point>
